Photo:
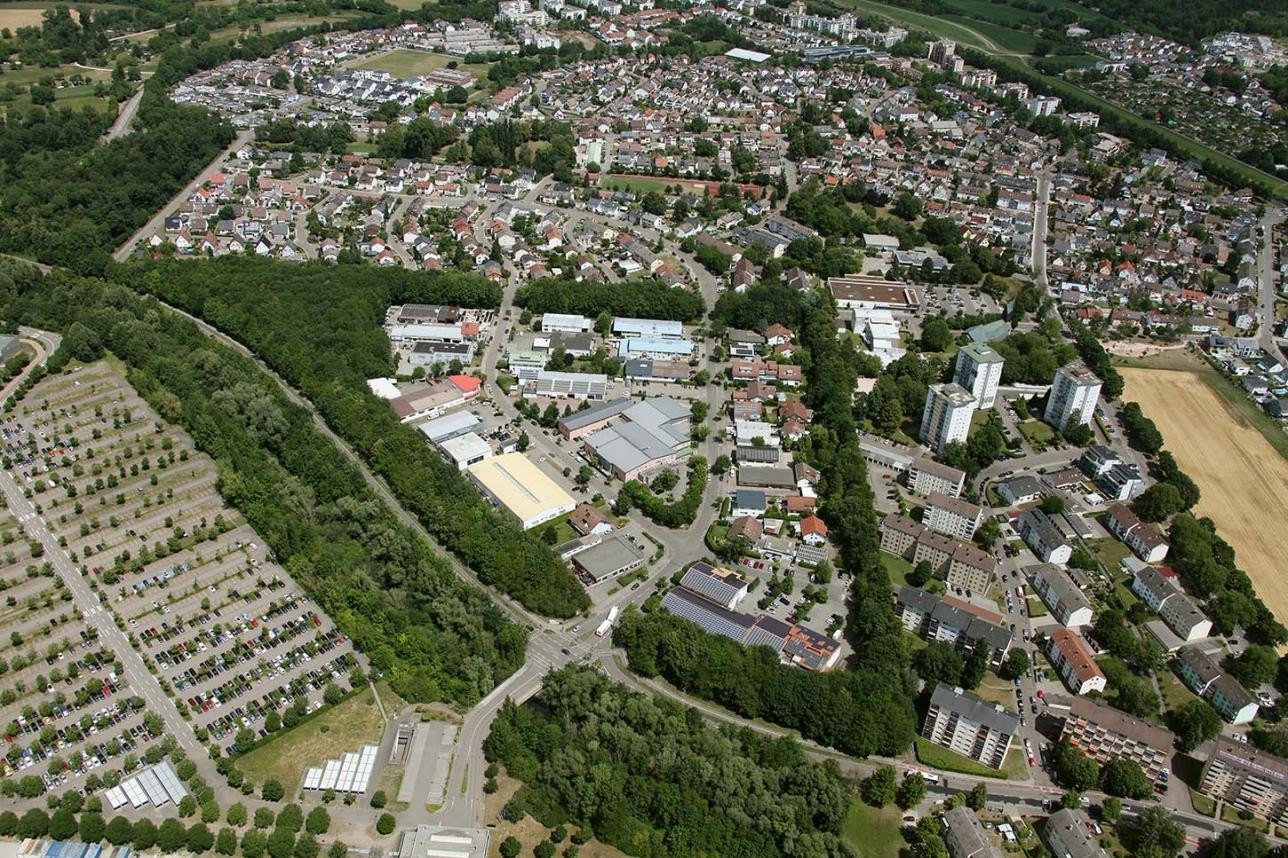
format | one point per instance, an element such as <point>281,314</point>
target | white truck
<point>606,626</point>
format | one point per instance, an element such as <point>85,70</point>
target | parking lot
<point>220,625</point>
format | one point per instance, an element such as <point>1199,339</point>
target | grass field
<point>873,832</point>
<point>638,186</point>
<point>994,689</point>
<point>346,727</point>
<point>1037,432</point>
<point>1243,478</point>
<point>266,27</point>
<point>896,567</point>
<point>1008,39</point>
<point>1175,694</point>
<point>932,755</point>
<point>403,62</point>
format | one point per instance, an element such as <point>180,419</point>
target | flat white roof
<point>520,486</point>
<point>465,447</point>
<point>744,54</point>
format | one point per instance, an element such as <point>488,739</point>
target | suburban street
<point>1266,284</point>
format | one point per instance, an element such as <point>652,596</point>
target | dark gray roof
<point>991,715</point>
<point>595,413</point>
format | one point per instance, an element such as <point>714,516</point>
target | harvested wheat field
<point>1243,479</point>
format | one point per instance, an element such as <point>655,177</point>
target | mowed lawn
<point>405,62</point>
<point>346,727</point>
<point>1243,479</point>
<point>873,832</point>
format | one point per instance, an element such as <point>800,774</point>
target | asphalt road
<point>1266,284</point>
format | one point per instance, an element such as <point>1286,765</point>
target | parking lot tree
<point>379,799</point>
<point>912,789</point>
<point>171,836</point>
<point>92,829</point>
<point>253,843</point>
<point>271,790</point>
<point>8,823</point>
<point>30,786</point>
<point>237,815</point>
<point>62,825</point>
<point>721,464</point>
<point>385,824</point>
<point>244,740</point>
<point>306,846</point>
<point>281,843</point>
<point>318,821</point>
<point>209,811</point>
<point>34,823</point>
<point>272,721</point>
<point>187,806</point>
<point>199,838</point>
<point>264,817</point>
<point>1124,778</point>
<point>1111,809</point>
<point>338,849</point>
<point>291,818</point>
<point>226,841</point>
<point>333,694</point>
<point>144,834</point>
<point>544,849</point>
<point>511,847</point>
<point>1153,834</point>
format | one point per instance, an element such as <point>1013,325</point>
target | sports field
<point>1243,479</point>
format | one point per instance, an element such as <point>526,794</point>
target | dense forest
<point>857,713</point>
<point>435,637</point>
<point>67,200</point>
<point>318,326</point>
<point>649,777</point>
<point>644,299</point>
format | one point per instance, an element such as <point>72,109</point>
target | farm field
<point>1244,480</point>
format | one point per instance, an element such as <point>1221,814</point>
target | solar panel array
<point>157,785</point>
<point>350,773</point>
<point>62,849</point>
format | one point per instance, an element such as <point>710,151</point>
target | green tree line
<point>318,326</point>
<point>642,299</point>
<point>435,637</point>
<point>649,777</point>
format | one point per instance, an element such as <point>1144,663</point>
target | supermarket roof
<point>520,485</point>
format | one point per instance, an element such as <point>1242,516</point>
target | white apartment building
<point>1073,397</point>
<point>979,370</point>
<point>946,417</point>
<point>952,516</point>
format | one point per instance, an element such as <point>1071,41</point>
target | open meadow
<point>407,63</point>
<point>1243,478</point>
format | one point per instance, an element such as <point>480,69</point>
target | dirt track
<point>1244,480</point>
